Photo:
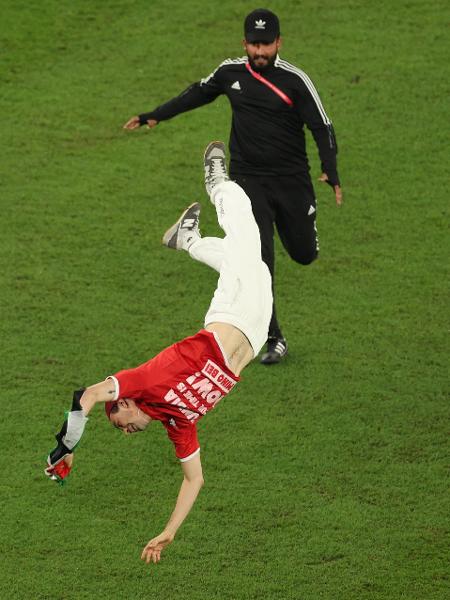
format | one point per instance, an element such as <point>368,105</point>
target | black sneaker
<point>276,348</point>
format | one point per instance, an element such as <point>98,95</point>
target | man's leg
<point>210,251</point>
<point>243,296</point>
<point>264,205</point>
<point>241,243</point>
<point>296,218</point>
<point>185,235</point>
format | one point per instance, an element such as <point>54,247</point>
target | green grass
<point>325,476</point>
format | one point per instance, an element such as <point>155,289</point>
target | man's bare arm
<point>100,392</point>
<point>60,459</point>
<point>189,490</point>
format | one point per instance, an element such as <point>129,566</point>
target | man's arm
<point>100,392</point>
<point>59,462</point>
<point>189,490</point>
<point>196,95</point>
<point>312,113</point>
<point>326,144</point>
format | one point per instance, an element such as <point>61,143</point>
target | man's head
<point>261,38</point>
<point>125,414</point>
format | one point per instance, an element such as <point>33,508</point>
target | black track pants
<point>289,202</point>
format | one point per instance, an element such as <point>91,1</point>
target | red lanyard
<point>269,85</point>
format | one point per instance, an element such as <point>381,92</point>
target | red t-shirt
<point>178,386</point>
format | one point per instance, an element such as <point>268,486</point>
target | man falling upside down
<point>183,382</point>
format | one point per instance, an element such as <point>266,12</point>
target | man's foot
<point>185,231</point>
<point>215,165</point>
<point>276,348</point>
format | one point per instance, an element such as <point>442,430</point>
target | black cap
<point>261,25</point>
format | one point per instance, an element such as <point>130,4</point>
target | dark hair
<point>114,409</point>
<point>109,406</point>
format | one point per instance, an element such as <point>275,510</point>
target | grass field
<point>326,477</point>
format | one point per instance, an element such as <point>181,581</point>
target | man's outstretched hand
<point>337,188</point>
<point>61,470</point>
<point>134,123</point>
<point>152,551</point>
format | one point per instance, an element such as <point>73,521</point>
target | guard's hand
<point>61,470</point>
<point>134,123</point>
<point>337,188</point>
<point>152,551</point>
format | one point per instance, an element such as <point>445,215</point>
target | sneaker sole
<point>272,359</point>
<point>169,239</point>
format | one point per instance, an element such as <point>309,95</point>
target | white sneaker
<point>215,165</point>
<point>185,231</point>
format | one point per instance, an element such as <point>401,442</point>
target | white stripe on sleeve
<point>309,84</point>
<point>228,61</point>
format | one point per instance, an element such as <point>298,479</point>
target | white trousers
<point>243,297</point>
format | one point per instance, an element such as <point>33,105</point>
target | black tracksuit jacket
<point>267,135</point>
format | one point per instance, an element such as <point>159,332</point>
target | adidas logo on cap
<point>261,25</point>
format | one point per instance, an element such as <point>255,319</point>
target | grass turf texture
<point>325,476</point>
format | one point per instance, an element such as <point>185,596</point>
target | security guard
<point>271,101</point>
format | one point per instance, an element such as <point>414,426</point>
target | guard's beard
<point>256,67</point>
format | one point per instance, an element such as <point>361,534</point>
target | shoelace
<point>189,223</point>
<point>216,168</point>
